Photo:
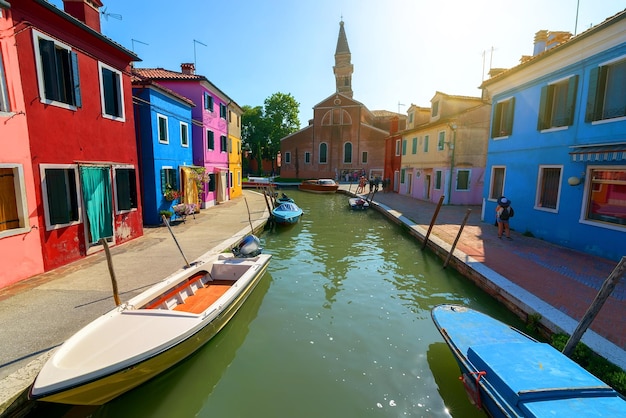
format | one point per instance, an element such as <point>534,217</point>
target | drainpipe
<point>452,146</point>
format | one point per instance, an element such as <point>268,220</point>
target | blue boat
<point>510,374</point>
<point>287,213</point>
<point>284,199</point>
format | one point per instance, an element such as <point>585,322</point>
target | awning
<point>600,153</point>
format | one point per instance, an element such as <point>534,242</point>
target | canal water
<point>339,326</point>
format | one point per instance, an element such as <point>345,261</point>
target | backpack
<point>507,213</point>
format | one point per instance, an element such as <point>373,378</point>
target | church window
<point>347,153</point>
<point>323,153</point>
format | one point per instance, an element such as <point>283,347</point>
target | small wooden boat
<point>509,374</point>
<point>287,213</point>
<point>152,331</point>
<point>319,186</point>
<point>358,203</point>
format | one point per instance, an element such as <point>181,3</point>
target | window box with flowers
<point>171,194</point>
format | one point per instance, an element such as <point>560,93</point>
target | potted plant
<point>168,214</point>
<point>171,194</point>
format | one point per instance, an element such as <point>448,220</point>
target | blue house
<point>557,145</point>
<point>163,123</point>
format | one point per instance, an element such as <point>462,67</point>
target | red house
<point>73,94</point>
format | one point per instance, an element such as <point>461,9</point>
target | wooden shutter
<point>570,106</point>
<point>542,119</point>
<point>75,80</point>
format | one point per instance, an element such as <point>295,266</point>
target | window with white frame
<point>59,184</point>
<point>607,91</point>
<point>307,157</point>
<point>398,147</point>
<point>57,72</point>
<point>496,186</point>
<point>111,92</point>
<point>323,153</point>
<point>502,120</point>
<point>210,140</point>
<point>549,187</point>
<point>223,111</point>
<point>347,153</point>
<point>184,134</point>
<point>223,143</point>
<point>463,179</point>
<point>208,102</point>
<point>438,179</point>
<point>163,133</point>
<point>442,140</point>
<point>558,100</point>
<point>125,188</point>
<point>288,157</point>
<point>13,204</point>
<point>606,201</point>
<point>169,179</point>
<point>4,95</point>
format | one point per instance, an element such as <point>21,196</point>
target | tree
<point>263,128</point>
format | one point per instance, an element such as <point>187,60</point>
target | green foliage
<point>594,364</point>
<point>532,322</point>
<point>168,214</point>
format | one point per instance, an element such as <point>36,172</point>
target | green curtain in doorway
<point>96,187</point>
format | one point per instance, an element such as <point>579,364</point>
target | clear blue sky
<point>403,51</point>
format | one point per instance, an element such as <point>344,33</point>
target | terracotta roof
<point>386,113</point>
<point>163,74</point>
<point>139,81</point>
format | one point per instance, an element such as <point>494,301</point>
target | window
<point>208,102</point>
<point>168,179</point>
<point>502,121</point>
<point>230,145</point>
<point>307,157</point>
<point>211,182</point>
<point>222,111</point>
<point>549,187</point>
<point>184,134</point>
<point>4,95</point>
<point>426,139</point>
<point>607,92</point>
<point>60,195</point>
<point>13,205</point>
<point>398,147</point>
<point>442,140</point>
<point>323,153</point>
<point>402,175</point>
<point>210,140</point>
<point>125,188</point>
<point>435,111</point>
<point>556,107</point>
<point>288,157</point>
<point>57,72</point>
<point>496,189</point>
<point>411,117</point>
<point>163,131</point>
<point>347,153</point>
<point>438,179</point>
<point>230,116</point>
<point>463,180</point>
<point>404,147</point>
<point>223,143</point>
<point>607,198</point>
<point>414,150</point>
<point>364,157</point>
<point>112,93</point>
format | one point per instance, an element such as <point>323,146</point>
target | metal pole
<point>432,221</point>
<point>175,240</point>
<point>467,214</point>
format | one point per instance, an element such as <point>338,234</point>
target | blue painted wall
<point>154,155</point>
<point>527,148</point>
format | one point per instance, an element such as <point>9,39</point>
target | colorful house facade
<point>76,90</point>
<point>235,157</point>
<point>210,125</point>
<point>557,144</point>
<point>446,155</point>
<point>163,124</point>
<point>20,240</point>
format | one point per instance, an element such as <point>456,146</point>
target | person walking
<point>504,212</point>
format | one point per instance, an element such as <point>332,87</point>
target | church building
<point>344,140</point>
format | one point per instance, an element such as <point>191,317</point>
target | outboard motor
<point>250,246</point>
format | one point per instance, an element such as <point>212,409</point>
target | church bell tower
<point>343,68</point>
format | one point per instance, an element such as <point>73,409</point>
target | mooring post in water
<point>458,235</point>
<point>432,221</point>
<point>116,296</point>
<point>249,220</point>
<point>175,240</point>
<point>604,293</point>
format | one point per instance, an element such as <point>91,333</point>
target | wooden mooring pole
<point>116,296</point>
<point>458,235</point>
<point>605,291</point>
<point>432,221</point>
<point>175,240</point>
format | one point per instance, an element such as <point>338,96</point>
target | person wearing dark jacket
<point>504,211</point>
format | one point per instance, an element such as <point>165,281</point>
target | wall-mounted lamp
<point>575,181</point>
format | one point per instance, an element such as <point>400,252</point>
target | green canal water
<point>339,326</point>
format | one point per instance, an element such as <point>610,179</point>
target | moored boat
<point>287,213</point>
<point>510,374</point>
<point>358,203</point>
<point>319,186</point>
<point>152,331</point>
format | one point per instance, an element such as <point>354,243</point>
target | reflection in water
<point>339,327</point>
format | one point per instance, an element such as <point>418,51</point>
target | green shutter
<point>542,119</point>
<point>509,116</point>
<point>593,94</point>
<point>572,89</point>
<point>122,184</point>
<point>75,78</point>
<point>58,207</point>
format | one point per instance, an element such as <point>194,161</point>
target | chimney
<point>87,11</point>
<point>188,68</point>
<point>541,37</point>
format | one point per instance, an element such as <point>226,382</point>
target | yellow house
<point>234,150</point>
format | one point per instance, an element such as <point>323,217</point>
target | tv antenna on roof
<point>194,50</point>
<point>106,15</point>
